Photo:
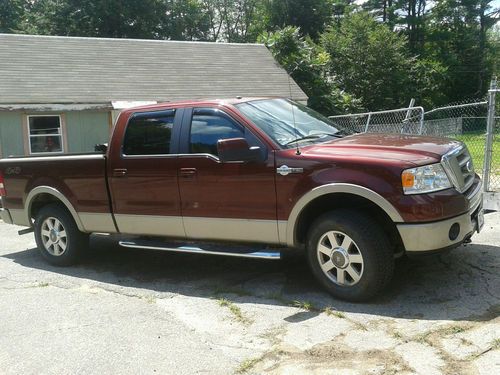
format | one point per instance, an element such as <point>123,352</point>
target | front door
<point>224,201</point>
<point>143,176</point>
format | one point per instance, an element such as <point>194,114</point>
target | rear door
<point>143,175</point>
<point>224,201</point>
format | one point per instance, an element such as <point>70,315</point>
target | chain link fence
<point>402,120</point>
<point>467,122</point>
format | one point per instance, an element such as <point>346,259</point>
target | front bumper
<point>429,237</point>
<point>5,216</point>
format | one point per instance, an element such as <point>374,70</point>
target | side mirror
<point>237,149</point>
<point>101,147</point>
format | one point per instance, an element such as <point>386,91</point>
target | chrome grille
<point>460,168</point>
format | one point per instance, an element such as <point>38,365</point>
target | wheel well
<point>42,200</point>
<point>329,202</point>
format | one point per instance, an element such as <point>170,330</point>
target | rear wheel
<point>57,236</point>
<point>350,255</point>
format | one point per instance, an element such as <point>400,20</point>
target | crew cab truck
<point>257,178</point>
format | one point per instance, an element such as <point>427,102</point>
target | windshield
<point>276,119</point>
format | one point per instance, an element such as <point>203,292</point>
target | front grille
<point>460,168</point>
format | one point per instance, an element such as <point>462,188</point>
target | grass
<point>247,365</point>
<point>331,312</point>
<point>475,142</point>
<point>304,305</point>
<point>234,309</point>
<point>495,344</point>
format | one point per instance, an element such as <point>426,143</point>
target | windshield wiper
<point>313,136</point>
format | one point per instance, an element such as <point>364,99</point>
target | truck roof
<point>231,101</point>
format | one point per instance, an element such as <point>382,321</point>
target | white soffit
<point>124,104</point>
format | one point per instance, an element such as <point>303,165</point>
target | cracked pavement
<point>133,311</point>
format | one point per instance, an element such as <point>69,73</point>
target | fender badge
<point>285,170</point>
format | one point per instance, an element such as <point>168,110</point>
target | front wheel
<point>350,255</point>
<point>57,236</point>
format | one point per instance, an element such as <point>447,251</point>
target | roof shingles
<point>47,69</point>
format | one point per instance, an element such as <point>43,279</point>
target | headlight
<point>424,179</point>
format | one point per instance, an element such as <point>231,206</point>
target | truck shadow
<point>461,285</point>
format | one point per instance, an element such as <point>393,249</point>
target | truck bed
<point>79,178</point>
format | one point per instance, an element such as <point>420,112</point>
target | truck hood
<point>418,150</point>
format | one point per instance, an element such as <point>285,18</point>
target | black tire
<point>375,267</point>
<point>75,242</point>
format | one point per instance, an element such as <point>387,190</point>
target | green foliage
<point>11,12</point>
<point>345,56</point>
<point>310,16</point>
<point>104,18</point>
<point>368,60</point>
<point>307,62</point>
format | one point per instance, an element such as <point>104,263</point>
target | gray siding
<point>83,130</point>
<point>11,134</point>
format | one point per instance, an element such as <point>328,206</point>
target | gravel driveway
<point>128,312</point>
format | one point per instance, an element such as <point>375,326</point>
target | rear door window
<point>149,133</point>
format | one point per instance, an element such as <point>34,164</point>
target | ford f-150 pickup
<point>256,178</point>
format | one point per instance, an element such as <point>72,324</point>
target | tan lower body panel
<point>433,236</point>
<point>244,230</point>
<point>168,226</point>
<point>202,228</point>
<point>19,217</point>
<point>94,222</point>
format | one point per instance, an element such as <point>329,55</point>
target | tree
<point>306,63</point>
<point>104,18</point>
<point>310,16</point>
<point>11,12</point>
<point>234,21</point>
<point>374,64</point>
<point>457,36</point>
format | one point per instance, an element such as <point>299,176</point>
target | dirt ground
<point>129,312</point>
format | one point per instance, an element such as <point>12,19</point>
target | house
<point>62,94</point>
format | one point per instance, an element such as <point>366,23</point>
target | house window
<point>45,134</point>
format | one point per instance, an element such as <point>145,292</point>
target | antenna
<point>297,152</point>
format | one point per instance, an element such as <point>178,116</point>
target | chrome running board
<point>208,249</point>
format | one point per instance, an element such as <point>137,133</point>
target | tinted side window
<point>208,126</point>
<point>149,133</point>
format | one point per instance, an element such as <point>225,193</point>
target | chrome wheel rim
<point>54,237</point>
<point>340,258</point>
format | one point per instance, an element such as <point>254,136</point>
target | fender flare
<point>333,188</point>
<point>55,193</point>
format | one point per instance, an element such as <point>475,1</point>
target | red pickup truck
<point>252,178</point>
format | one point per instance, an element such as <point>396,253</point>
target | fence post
<point>368,122</point>
<point>408,115</point>
<point>490,126</point>
<point>421,128</point>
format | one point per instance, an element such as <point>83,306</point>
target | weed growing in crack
<point>453,330</point>
<point>247,365</point>
<point>331,312</point>
<point>305,305</point>
<point>397,335</point>
<point>495,344</point>
<point>149,298</point>
<point>234,309</point>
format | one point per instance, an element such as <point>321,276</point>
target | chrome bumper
<point>5,216</point>
<point>434,236</point>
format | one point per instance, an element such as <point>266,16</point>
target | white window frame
<point>60,134</point>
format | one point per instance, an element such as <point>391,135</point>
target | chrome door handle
<point>119,172</point>
<point>187,172</point>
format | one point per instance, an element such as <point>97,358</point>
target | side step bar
<point>208,249</point>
